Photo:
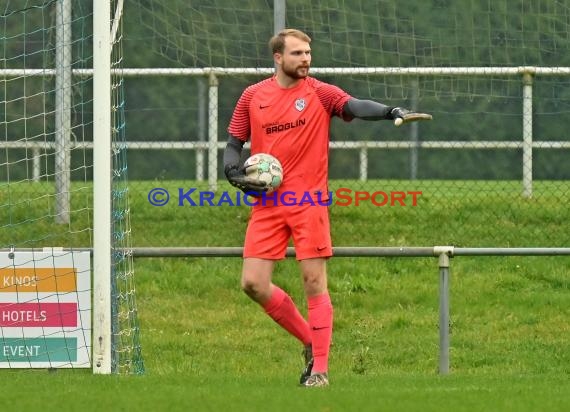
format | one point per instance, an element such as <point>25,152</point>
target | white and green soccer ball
<point>265,167</point>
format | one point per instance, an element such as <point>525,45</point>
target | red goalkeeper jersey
<point>292,125</point>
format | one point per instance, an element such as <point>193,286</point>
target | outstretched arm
<point>371,110</point>
<point>368,110</point>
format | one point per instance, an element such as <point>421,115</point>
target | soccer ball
<point>265,167</point>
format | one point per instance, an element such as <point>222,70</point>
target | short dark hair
<point>277,42</point>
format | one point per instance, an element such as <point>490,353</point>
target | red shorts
<point>270,228</point>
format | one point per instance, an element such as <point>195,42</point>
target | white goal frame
<point>102,187</point>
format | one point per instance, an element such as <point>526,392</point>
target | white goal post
<point>63,96</point>
<point>101,187</point>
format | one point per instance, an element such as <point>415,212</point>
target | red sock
<point>281,309</point>
<point>321,323</point>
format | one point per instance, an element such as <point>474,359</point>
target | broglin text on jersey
<point>271,128</point>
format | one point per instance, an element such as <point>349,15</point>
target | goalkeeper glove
<point>237,178</point>
<point>398,112</point>
<point>407,116</point>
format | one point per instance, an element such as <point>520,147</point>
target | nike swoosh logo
<point>324,327</point>
<point>263,107</point>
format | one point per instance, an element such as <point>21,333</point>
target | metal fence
<point>451,200</point>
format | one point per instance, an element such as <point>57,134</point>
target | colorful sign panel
<point>45,309</point>
<point>34,350</point>
<point>13,279</point>
<point>13,315</point>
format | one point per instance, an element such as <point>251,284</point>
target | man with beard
<point>288,116</point>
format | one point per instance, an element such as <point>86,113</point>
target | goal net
<point>494,74</point>
<point>46,191</point>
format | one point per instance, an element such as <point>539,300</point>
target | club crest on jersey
<point>300,104</point>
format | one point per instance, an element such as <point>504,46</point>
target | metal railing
<point>442,253</point>
<point>202,147</point>
<point>212,146</point>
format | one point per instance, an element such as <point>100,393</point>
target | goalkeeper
<point>288,116</point>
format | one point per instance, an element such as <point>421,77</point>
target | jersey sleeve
<point>239,124</point>
<point>333,99</point>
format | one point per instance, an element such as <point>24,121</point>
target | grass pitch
<point>208,347</point>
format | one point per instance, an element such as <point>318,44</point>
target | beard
<point>299,72</point>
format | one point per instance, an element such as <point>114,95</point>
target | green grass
<point>207,347</point>
<point>269,391</point>
<point>459,213</point>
